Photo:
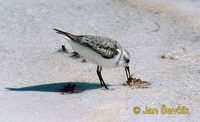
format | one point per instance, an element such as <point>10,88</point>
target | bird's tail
<point>72,37</point>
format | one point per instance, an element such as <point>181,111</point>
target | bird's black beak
<point>128,75</point>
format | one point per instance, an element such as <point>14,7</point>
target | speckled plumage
<point>106,47</point>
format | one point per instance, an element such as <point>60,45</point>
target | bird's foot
<point>106,87</point>
<point>102,85</point>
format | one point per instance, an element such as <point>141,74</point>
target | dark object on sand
<point>163,56</point>
<point>168,57</point>
<point>70,88</point>
<point>158,27</point>
<point>84,60</point>
<point>137,83</point>
<point>171,57</point>
<point>64,49</point>
<point>75,55</point>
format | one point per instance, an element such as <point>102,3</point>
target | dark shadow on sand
<point>55,87</point>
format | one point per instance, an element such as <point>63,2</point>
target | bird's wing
<point>106,47</point>
<point>71,36</point>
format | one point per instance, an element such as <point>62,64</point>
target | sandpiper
<point>104,52</point>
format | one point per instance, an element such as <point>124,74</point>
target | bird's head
<point>124,61</point>
<point>124,58</point>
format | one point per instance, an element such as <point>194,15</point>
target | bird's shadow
<point>56,87</point>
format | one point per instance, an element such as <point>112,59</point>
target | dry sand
<point>34,71</point>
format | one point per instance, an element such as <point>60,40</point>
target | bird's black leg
<point>99,68</point>
<point>127,72</point>
<point>98,73</point>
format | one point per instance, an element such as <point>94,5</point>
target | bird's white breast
<point>94,57</point>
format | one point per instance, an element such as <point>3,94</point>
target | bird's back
<point>106,47</point>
